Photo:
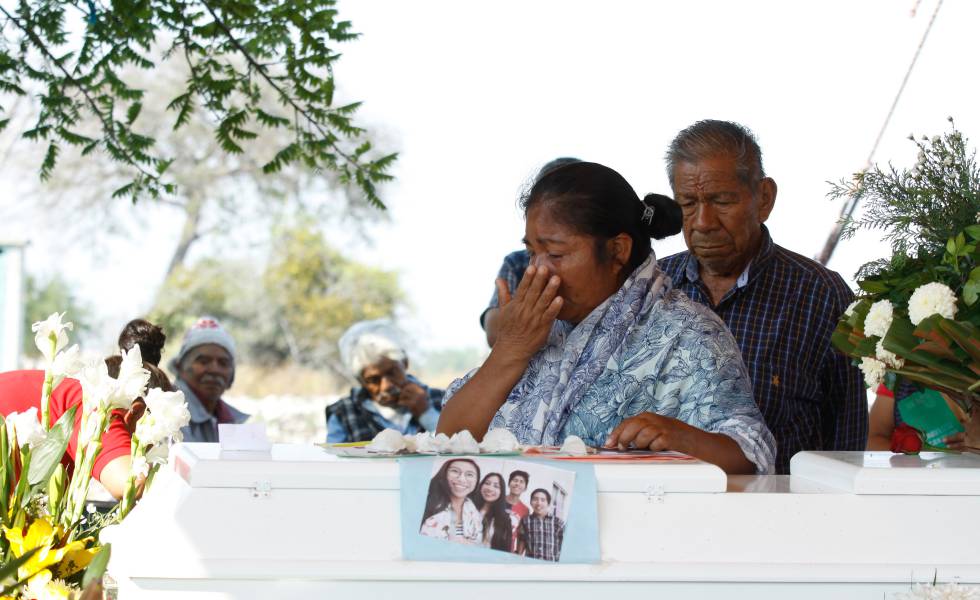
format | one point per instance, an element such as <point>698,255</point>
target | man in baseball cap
<point>205,369</point>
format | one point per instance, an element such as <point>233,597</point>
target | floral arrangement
<point>49,545</point>
<point>918,316</point>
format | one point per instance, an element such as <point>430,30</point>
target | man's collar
<point>692,273</point>
<point>200,414</point>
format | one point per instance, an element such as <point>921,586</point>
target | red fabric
<point>21,390</point>
<point>884,391</point>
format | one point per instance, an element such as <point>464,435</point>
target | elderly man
<point>205,369</point>
<point>387,397</point>
<point>780,306</point>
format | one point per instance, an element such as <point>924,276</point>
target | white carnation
<point>428,443</point>
<point>388,440</point>
<point>879,318</point>
<point>575,446</point>
<point>874,371</point>
<point>930,299</point>
<point>889,358</point>
<point>499,440</point>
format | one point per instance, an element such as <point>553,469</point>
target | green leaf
<point>133,112</point>
<point>873,287</point>
<point>973,231</point>
<point>96,568</point>
<point>48,453</point>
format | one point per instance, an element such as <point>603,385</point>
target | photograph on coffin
<point>512,506</point>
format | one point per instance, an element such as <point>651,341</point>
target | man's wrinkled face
<point>208,370</point>
<point>539,504</point>
<point>722,216</point>
<point>384,380</point>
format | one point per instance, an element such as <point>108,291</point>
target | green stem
<point>48,385</point>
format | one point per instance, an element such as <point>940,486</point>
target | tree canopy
<point>252,65</point>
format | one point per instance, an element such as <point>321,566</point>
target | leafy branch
<point>252,63</point>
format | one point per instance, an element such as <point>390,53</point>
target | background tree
<point>252,64</point>
<point>292,309</point>
<point>46,296</point>
<point>217,193</point>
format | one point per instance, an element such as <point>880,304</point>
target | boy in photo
<point>518,510</point>
<point>541,531</point>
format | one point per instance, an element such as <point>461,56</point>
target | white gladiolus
<point>930,299</point>
<point>45,330</point>
<point>140,467</point>
<point>879,318</point>
<point>66,364</point>
<point>26,427</point>
<point>132,380</point>
<point>159,453</point>
<point>874,371</point>
<point>165,415</point>
<point>889,358</point>
<point>97,386</point>
<point>850,308</point>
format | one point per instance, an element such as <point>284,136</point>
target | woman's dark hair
<point>594,200</point>
<point>497,514</point>
<point>438,498</point>
<point>150,338</point>
<point>542,491</point>
<point>158,379</point>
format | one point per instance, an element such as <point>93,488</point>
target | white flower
<point>51,328</point>
<point>432,444</point>
<point>140,467</point>
<point>97,386</point>
<point>132,380</point>
<point>936,139</point>
<point>159,453</point>
<point>850,308</point>
<point>879,318</point>
<point>389,440</point>
<point>930,299</point>
<point>874,371</point>
<point>43,587</point>
<point>66,364</point>
<point>463,442</point>
<point>166,413</point>
<point>889,358</point>
<point>575,446</point>
<point>26,426</point>
<point>499,440</point>
<point>948,161</point>
<point>944,591</point>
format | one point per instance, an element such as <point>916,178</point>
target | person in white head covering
<point>205,369</point>
<point>386,396</point>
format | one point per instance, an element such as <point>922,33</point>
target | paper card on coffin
<point>925,474</point>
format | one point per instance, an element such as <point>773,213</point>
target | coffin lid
<point>928,473</point>
<point>289,466</point>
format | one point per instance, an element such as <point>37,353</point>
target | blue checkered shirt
<point>782,311</point>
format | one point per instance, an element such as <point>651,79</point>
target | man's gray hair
<point>367,342</point>
<point>710,138</point>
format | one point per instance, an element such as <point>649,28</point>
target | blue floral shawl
<point>647,348</point>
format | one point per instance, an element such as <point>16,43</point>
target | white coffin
<point>928,473</point>
<point>301,523</point>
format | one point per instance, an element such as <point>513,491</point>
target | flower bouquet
<point>49,544</point>
<point>917,316</point>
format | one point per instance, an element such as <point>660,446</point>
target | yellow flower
<point>40,534</point>
<point>42,587</point>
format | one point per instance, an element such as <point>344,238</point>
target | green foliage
<point>305,298</point>
<point>919,209</point>
<point>46,297</point>
<point>253,64</point>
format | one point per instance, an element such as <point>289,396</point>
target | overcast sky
<point>476,96</point>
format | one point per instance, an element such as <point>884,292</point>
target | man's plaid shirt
<point>542,536</point>
<point>782,312</point>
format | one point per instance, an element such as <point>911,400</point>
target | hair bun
<point>667,218</point>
